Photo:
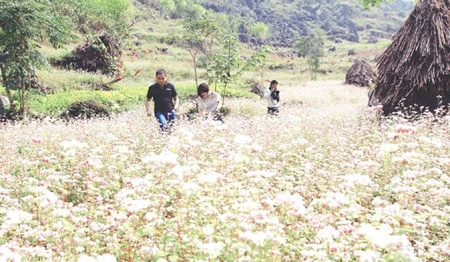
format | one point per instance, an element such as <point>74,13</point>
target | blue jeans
<point>164,118</point>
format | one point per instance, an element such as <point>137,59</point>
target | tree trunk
<point>12,104</point>
<point>22,77</point>
<point>195,72</point>
<point>194,64</point>
<point>224,93</point>
<point>22,99</point>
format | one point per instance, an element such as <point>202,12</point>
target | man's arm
<point>175,101</point>
<point>267,92</point>
<point>219,103</point>
<point>201,112</point>
<point>200,108</point>
<point>147,106</point>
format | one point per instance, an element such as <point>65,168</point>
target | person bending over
<point>208,103</point>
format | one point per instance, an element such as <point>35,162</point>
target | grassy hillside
<point>142,56</point>
<point>140,63</point>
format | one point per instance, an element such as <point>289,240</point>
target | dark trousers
<point>273,110</point>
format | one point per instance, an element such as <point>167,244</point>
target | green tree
<point>177,8</point>
<point>167,7</point>
<point>311,47</point>
<point>227,65</point>
<point>370,3</point>
<point>198,38</point>
<point>100,17</point>
<point>25,24</point>
<point>260,31</point>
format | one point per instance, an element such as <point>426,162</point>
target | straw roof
<point>360,74</point>
<point>415,68</point>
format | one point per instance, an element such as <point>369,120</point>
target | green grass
<point>126,95</point>
<point>52,53</point>
<point>141,61</point>
<point>67,87</point>
<point>58,80</point>
<point>382,44</point>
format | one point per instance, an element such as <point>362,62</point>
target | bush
<point>86,109</point>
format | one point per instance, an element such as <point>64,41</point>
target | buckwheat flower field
<point>324,181</point>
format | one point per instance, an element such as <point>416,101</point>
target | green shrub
<point>169,39</point>
<point>86,109</point>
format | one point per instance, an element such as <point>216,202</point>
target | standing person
<point>272,95</point>
<point>208,103</point>
<point>166,100</point>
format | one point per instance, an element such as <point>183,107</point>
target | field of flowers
<point>324,181</point>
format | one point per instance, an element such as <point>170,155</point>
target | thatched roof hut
<point>360,74</point>
<point>414,71</point>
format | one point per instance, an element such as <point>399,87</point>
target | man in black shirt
<point>165,97</point>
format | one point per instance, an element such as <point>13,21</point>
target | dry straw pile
<point>414,71</point>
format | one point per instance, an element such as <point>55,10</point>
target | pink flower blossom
<point>36,140</point>
<point>406,129</point>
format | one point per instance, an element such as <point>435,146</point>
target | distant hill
<point>340,20</point>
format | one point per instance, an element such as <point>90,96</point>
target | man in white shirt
<point>272,95</point>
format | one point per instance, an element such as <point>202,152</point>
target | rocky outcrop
<point>291,19</point>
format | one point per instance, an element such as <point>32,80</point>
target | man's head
<point>203,90</point>
<point>161,77</point>
<point>274,84</point>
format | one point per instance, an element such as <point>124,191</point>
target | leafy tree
<point>199,36</point>
<point>193,11</point>
<point>24,24</point>
<point>227,65</point>
<point>311,47</point>
<point>260,31</point>
<point>167,7</point>
<point>370,3</point>
<point>178,8</point>
<point>100,17</point>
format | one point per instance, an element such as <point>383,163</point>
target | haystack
<point>100,56</point>
<point>258,89</point>
<point>414,71</point>
<point>85,110</point>
<point>360,74</point>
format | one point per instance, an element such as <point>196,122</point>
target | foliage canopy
<point>25,24</point>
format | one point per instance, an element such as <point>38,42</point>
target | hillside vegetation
<point>155,40</point>
<point>288,19</point>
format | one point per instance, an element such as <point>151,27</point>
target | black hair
<point>161,72</point>
<point>202,88</point>
<point>273,82</point>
